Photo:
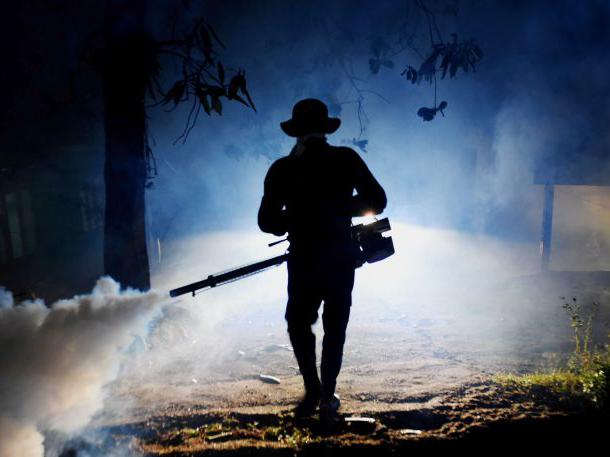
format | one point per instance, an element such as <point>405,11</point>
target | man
<point>310,195</point>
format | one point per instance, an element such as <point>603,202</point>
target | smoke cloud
<point>56,361</point>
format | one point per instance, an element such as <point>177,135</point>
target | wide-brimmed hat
<point>310,116</point>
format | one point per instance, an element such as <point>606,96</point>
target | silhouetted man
<point>310,195</point>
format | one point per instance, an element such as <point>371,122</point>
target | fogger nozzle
<point>369,246</point>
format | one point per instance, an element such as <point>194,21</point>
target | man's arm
<point>371,197</point>
<point>271,214</point>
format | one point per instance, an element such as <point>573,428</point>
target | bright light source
<point>366,218</point>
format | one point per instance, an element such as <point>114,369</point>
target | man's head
<point>310,116</point>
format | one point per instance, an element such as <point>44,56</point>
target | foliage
<point>205,81</point>
<point>557,380</point>
<point>446,57</point>
<point>590,365</point>
<point>278,431</point>
<point>587,372</point>
<point>427,114</point>
<point>443,57</point>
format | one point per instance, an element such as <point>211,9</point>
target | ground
<point>428,383</point>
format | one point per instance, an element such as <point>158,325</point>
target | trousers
<point>311,281</point>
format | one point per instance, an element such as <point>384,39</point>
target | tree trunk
<point>126,74</point>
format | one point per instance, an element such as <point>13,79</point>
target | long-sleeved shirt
<point>311,196</point>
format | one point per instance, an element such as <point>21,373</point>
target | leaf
<point>216,91</point>
<point>238,83</point>
<point>240,80</point>
<point>247,94</point>
<point>233,87</point>
<point>217,105</point>
<point>415,76</point>
<point>206,105</point>
<point>428,67</point>
<point>455,64</point>
<point>410,73</point>
<point>202,95</point>
<point>441,107</point>
<point>244,89</point>
<point>427,114</point>
<point>221,72</point>
<point>239,99</point>
<point>445,63</point>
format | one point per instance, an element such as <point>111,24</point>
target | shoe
<point>307,406</point>
<point>329,408</point>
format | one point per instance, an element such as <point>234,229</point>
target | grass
<point>586,375</point>
<point>230,433</point>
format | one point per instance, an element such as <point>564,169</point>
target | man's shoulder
<point>347,155</point>
<point>344,152</point>
<point>342,149</point>
<point>280,163</point>
<point>279,167</point>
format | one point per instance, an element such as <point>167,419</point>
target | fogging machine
<point>368,242</point>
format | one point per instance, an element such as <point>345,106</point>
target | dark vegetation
<point>419,41</point>
<point>440,59</point>
<point>132,65</point>
<point>585,377</point>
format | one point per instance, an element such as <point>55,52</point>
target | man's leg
<point>304,345</point>
<point>301,314</point>
<point>337,304</point>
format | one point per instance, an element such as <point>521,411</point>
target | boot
<point>308,404</point>
<point>329,407</point>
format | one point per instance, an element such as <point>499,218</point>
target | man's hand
<point>360,208</point>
